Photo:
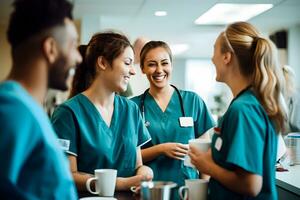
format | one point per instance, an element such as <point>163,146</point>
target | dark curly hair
<point>31,17</point>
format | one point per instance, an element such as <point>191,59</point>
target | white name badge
<point>186,121</point>
<point>218,143</point>
<point>64,144</point>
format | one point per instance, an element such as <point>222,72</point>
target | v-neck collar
<point>156,106</point>
<point>112,122</point>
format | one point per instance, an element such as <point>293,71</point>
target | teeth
<point>159,78</point>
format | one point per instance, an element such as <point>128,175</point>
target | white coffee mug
<point>105,182</point>
<point>200,144</point>
<point>194,189</point>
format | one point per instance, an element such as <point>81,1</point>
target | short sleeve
<point>245,132</point>
<point>204,120</point>
<point>18,137</point>
<point>64,123</point>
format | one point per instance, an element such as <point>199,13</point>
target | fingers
<point>183,146</point>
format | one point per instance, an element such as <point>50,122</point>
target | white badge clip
<point>186,121</point>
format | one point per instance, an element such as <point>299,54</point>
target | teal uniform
<point>31,160</point>
<point>164,127</point>
<point>84,134</point>
<point>246,138</point>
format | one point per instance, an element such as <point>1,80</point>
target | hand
<point>146,172</point>
<point>202,160</point>
<point>175,150</point>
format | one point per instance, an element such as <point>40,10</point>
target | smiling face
<point>68,57</point>
<point>118,75</point>
<point>218,60</point>
<point>158,67</point>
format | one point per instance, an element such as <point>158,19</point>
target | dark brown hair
<point>109,45</point>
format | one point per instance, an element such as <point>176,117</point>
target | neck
<point>99,94</point>
<point>33,76</point>
<point>238,84</point>
<point>161,92</point>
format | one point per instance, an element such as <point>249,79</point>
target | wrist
<point>120,184</point>
<point>161,149</point>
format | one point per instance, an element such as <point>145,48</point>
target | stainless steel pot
<point>156,190</point>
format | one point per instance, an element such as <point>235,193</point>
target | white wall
<point>294,50</point>
<point>90,24</point>
<point>178,76</point>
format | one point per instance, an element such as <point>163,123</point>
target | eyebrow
<point>128,58</point>
<point>166,59</point>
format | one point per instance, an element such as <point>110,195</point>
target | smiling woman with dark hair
<point>100,129</point>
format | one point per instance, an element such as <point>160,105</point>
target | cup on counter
<point>194,189</point>
<point>201,144</point>
<point>105,182</point>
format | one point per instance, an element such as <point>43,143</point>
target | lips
<point>159,77</point>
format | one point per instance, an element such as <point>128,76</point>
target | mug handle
<point>88,185</point>
<point>183,189</point>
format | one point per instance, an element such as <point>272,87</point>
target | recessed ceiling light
<point>224,13</point>
<point>179,48</point>
<point>160,13</point>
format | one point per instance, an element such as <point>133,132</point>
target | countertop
<point>289,180</point>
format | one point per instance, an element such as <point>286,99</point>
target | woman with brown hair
<point>97,128</point>
<point>241,162</point>
<point>172,116</point>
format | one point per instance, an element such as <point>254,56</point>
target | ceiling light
<point>178,48</point>
<point>224,13</point>
<point>160,13</point>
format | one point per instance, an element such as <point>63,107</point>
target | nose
<point>132,70</point>
<point>78,57</point>
<point>159,68</point>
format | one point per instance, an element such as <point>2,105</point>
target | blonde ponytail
<point>267,80</point>
<point>258,60</point>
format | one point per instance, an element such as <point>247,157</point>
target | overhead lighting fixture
<point>178,48</point>
<point>160,13</point>
<point>224,13</point>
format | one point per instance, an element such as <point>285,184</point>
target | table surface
<point>289,180</point>
<point>118,195</point>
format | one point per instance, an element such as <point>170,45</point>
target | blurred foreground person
<point>44,47</point>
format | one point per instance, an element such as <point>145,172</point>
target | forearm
<point>80,179</point>
<point>242,183</point>
<point>151,153</point>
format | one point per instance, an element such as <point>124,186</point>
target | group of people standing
<point>146,137</point>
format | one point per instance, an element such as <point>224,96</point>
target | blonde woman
<point>241,161</point>
<point>292,99</point>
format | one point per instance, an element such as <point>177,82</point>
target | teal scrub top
<point>84,134</point>
<point>164,127</point>
<point>246,138</point>
<point>30,156</point>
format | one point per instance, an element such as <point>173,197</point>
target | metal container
<point>292,141</point>
<point>156,190</point>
